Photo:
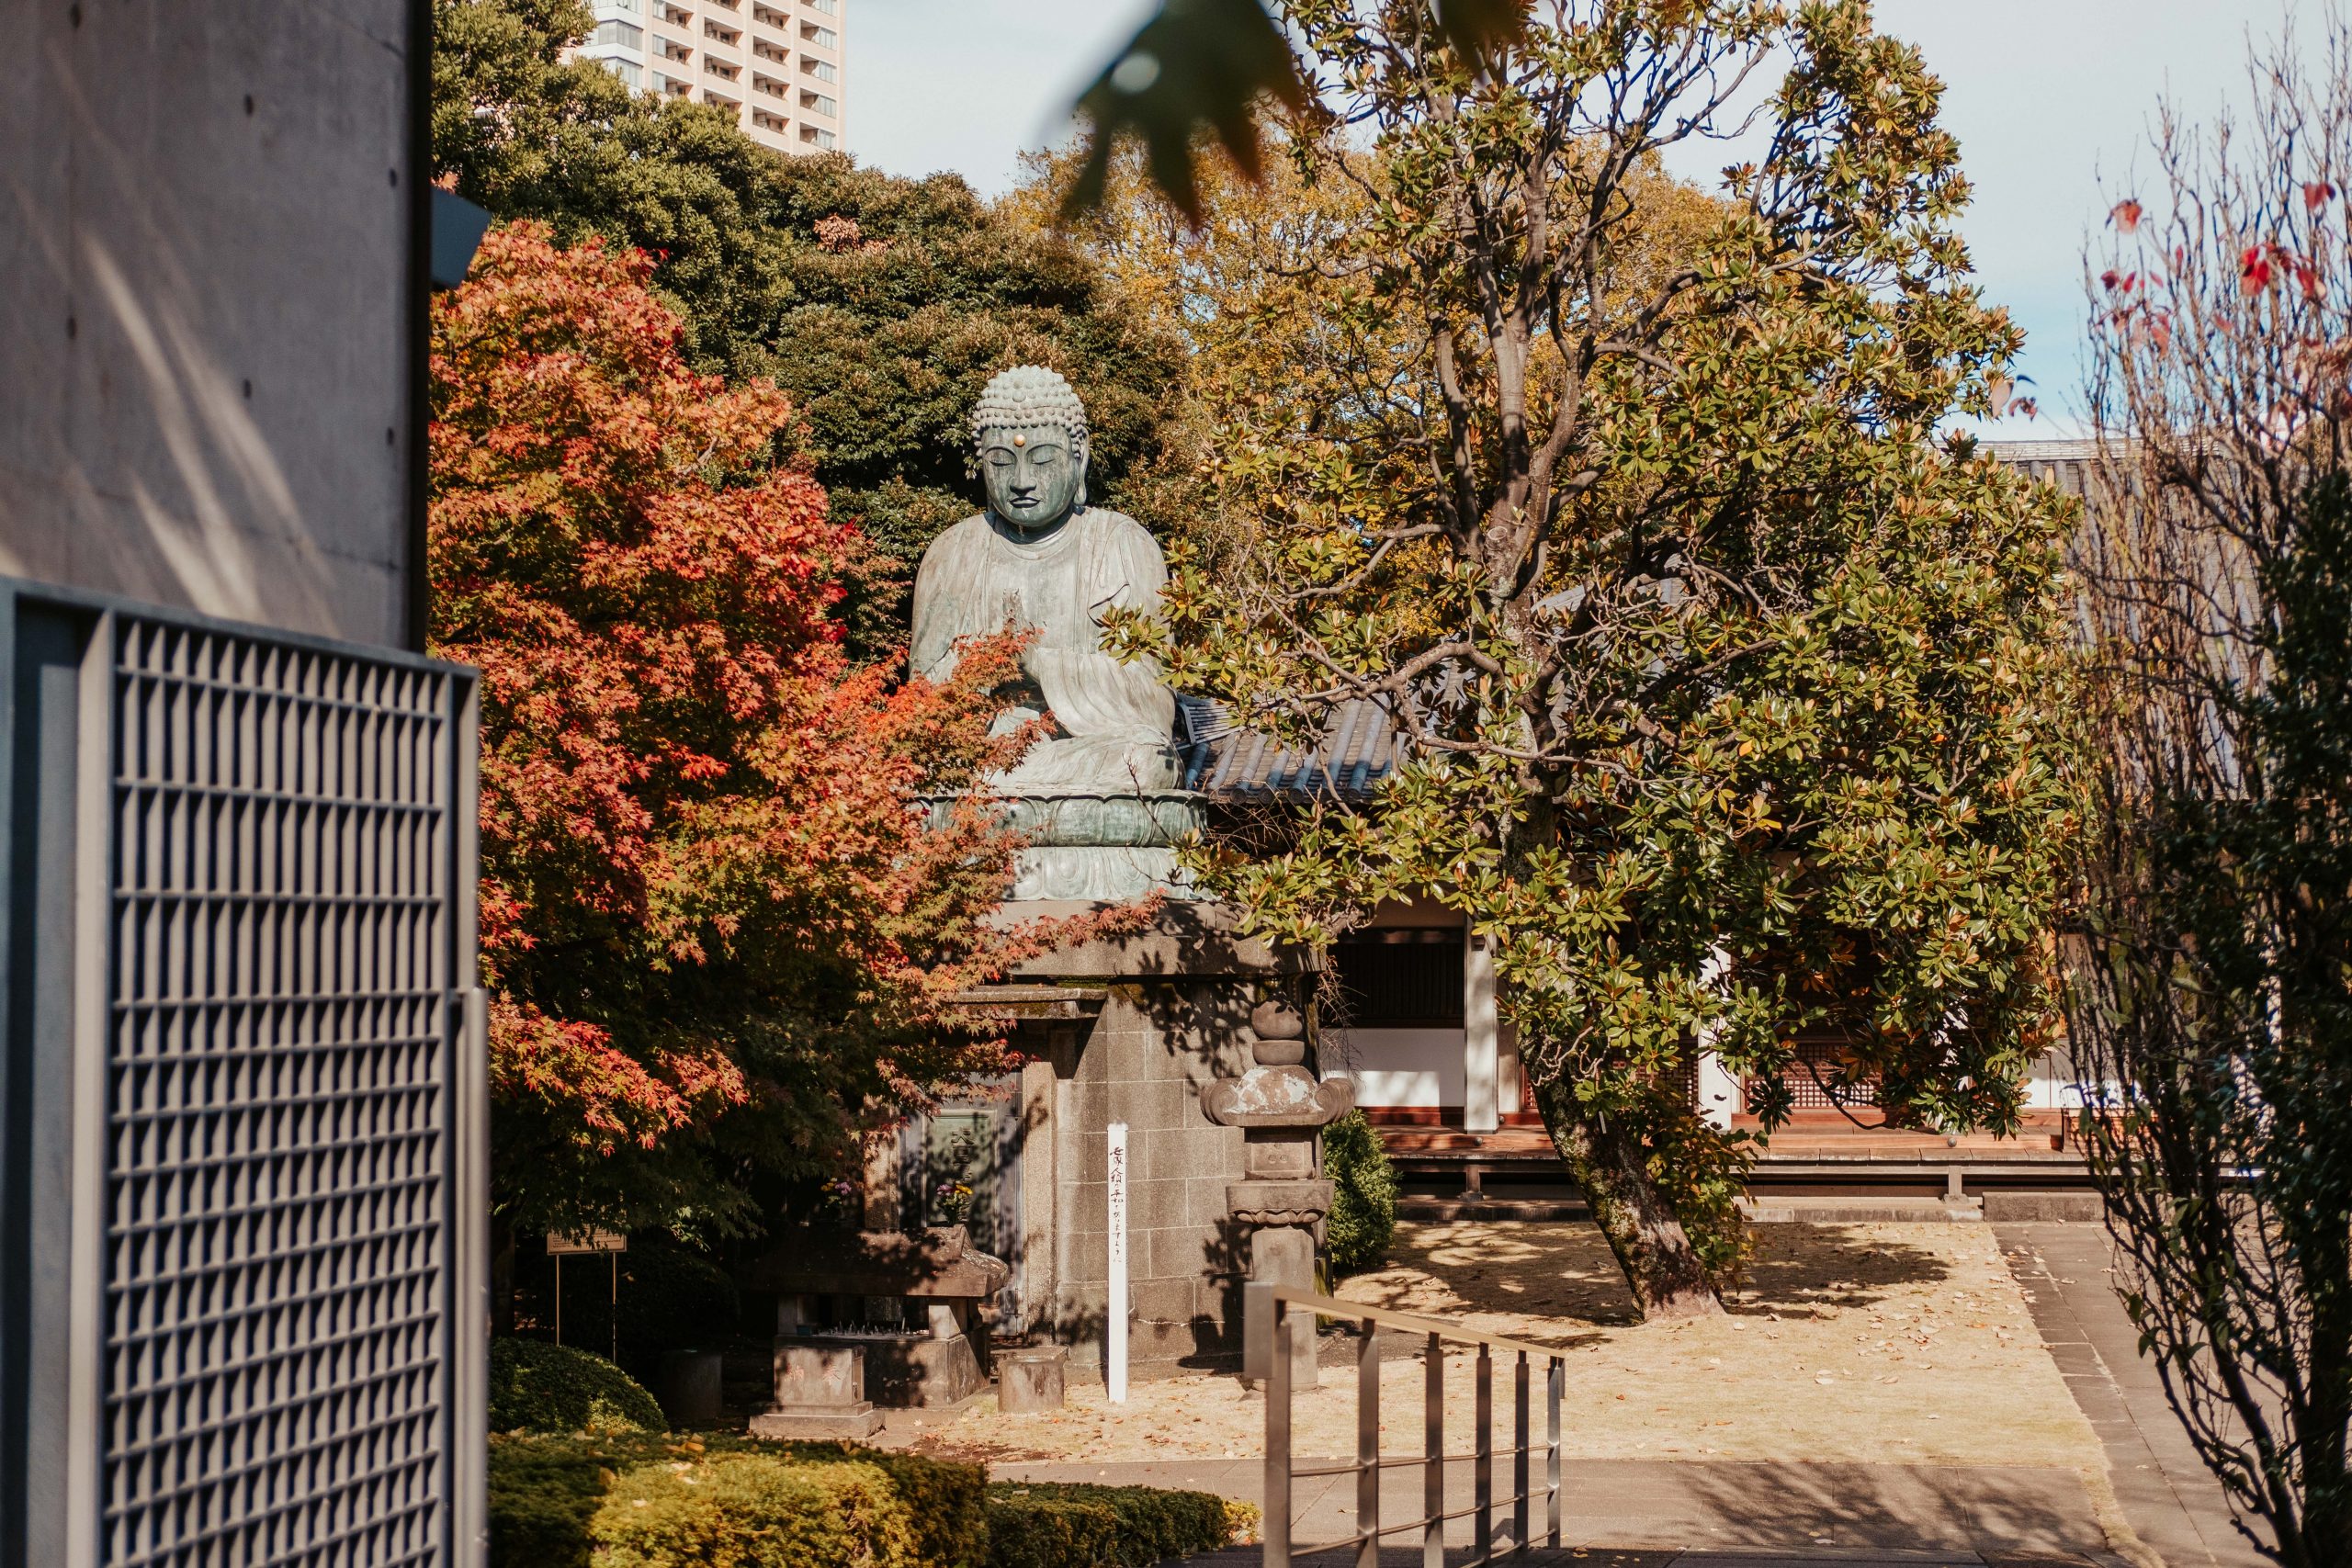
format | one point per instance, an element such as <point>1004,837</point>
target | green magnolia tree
<point>881,305</point>
<point>1734,698</point>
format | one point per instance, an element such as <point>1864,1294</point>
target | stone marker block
<point>820,1392</point>
<point>816,1374</point>
<point>1032,1379</point>
<point>689,1386</point>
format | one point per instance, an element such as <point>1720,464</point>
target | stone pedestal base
<point>819,1392</point>
<point>849,1423</point>
<point>1284,1255</point>
<point>916,1374</point>
<point>1032,1379</point>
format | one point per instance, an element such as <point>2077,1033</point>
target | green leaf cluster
<point>1362,1225</point>
<point>538,1387</point>
<point>1734,698</point>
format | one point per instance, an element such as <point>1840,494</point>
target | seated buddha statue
<point>1039,557</point>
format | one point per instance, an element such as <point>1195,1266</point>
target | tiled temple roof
<point>1220,759</point>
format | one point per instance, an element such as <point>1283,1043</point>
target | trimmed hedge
<point>745,1510</point>
<point>949,1501</point>
<point>538,1387</point>
<point>633,1500</point>
<point>1060,1525</point>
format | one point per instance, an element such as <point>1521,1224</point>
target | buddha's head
<point>1031,432</point>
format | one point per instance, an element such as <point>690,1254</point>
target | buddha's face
<point>1032,475</point>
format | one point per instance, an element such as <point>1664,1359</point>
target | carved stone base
<point>1098,873</point>
<point>851,1423</point>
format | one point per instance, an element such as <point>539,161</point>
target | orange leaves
<point>713,916</point>
<point>2317,194</point>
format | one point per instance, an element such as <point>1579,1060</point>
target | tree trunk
<point>1660,1262</point>
<point>502,1277</point>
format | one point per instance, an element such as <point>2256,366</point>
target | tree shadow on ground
<point>1498,1275</point>
<point>2022,1510</point>
<point>1807,1269</point>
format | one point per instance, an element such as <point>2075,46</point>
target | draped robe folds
<point>1113,720</point>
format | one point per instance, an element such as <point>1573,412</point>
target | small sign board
<point>586,1241</point>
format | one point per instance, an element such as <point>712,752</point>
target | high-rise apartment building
<point>775,64</point>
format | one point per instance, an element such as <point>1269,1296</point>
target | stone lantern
<point>1282,1197</point>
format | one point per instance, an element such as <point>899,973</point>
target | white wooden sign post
<point>1115,1370</point>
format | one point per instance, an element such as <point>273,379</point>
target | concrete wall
<point>205,326</point>
<point>1145,1062</point>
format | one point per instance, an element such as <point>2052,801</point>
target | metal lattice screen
<point>278,1226</point>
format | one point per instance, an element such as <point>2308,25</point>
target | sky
<point>2051,100</point>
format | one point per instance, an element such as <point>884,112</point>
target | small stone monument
<point>816,1271</point>
<point>819,1393</point>
<point>1097,799</point>
<point>1280,1108</point>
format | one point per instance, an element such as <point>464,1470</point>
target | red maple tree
<point>720,938</point>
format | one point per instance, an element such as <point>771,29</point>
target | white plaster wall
<point>204,310</point>
<point>1400,1068</point>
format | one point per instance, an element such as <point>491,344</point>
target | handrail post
<point>1277,1365</point>
<point>1483,1468</point>
<point>1519,1540</point>
<point>1368,1447</point>
<point>1433,1455</point>
<point>1556,1383</point>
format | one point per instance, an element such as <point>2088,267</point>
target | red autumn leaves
<point>706,897</point>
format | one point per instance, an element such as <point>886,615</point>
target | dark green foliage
<point>672,1298</point>
<point>881,304</point>
<point>538,1387</point>
<point>543,1492</point>
<point>1040,1525</point>
<point>1362,1222</point>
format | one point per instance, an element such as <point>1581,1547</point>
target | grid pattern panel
<point>279,1164</point>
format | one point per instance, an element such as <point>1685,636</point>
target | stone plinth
<point>819,1392</point>
<point>1032,1379</point>
<point>919,1371</point>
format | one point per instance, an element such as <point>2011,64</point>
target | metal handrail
<point>1264,1358</point>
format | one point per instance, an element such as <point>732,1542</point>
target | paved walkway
<point>1727,1514</point>
<point>1650,1513</point>
<point>2164,1489</point>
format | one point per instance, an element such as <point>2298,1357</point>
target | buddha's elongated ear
<point>1079,504</point>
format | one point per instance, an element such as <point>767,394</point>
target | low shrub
<point>639,1500</point>
<point>949,1501</point>
<point>1363,1222</point>
<point>549,1497</point>
<point>538,1387</point>
<point>749,1510</point>
<point>1056,1525</point>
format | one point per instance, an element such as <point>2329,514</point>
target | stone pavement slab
<point>2167,1494</point>
<point>1606,1557</point>
<point>1645,1512</point>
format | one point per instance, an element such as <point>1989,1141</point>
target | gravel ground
<point>1888,1344</point>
